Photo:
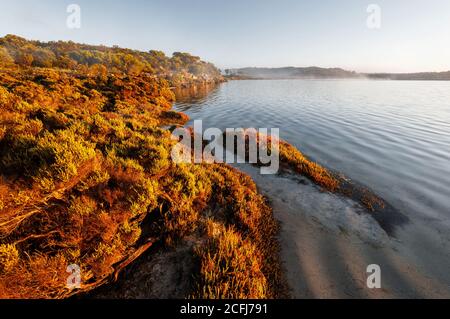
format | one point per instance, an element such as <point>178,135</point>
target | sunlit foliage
<point>86,177</point>
<point>181,68</point>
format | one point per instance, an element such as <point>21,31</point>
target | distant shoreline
<point>237,78</point>
<point>328,73</point>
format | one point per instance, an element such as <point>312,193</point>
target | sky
<point>413,35</point>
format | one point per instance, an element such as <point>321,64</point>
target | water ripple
<point>391,135</point>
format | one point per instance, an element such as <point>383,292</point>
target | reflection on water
<point>192,98</point>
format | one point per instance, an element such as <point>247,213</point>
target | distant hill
<point>291,73</point>
<point>425,76</point>
<point>329,73</point>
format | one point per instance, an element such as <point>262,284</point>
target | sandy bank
<point>328,241</point>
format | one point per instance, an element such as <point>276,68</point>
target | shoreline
<point>245,78</point>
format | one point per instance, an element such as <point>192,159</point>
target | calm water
<point>391,136</point>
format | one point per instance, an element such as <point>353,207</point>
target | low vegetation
<point>86,178</point>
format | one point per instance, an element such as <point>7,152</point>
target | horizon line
<point>330,68</point>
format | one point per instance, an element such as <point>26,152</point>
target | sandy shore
<point>328,241</point>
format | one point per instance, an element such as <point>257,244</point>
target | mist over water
<point>392,136</point>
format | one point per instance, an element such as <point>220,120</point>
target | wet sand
<point>328,241</point>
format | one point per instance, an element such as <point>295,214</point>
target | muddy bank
<point>159,274</point>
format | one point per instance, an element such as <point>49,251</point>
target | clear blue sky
<point>414,34</point>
